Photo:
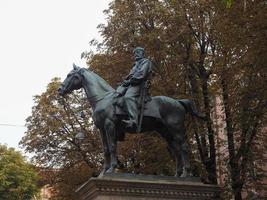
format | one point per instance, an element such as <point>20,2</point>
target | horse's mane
<point>100,81</point>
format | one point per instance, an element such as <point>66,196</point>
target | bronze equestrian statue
<point>162,114</point>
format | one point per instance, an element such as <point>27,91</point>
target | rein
<point>97,98</point>
<point>94,98</point>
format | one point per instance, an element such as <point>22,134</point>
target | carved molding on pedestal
<point>153,189</point>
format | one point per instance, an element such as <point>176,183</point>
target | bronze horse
<point>162,114</point>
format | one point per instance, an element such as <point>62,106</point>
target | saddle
<point>149,104</point>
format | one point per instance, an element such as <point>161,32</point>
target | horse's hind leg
<point>182,152</point>
<point>173,148</point>
<point>181,139</point>
<point>178,158</point>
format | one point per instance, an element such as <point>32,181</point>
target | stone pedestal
<point>143,187</point>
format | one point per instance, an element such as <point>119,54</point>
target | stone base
<point>143,187</point>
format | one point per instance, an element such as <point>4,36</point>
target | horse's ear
<point>75,67</point>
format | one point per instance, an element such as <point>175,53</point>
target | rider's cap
<point>139,48</point>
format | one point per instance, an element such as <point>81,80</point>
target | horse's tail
<point>191,108</point>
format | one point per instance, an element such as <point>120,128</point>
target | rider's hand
<point>126,83</point>
<point>128,77</point>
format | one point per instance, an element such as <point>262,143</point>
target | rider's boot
<point>132,113</point>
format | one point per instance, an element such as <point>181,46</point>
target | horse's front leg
<point>112,144</point>
<point>107,165</point>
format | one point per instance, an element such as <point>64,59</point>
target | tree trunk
<point>238,195</point>
<point>207,153</point>
<point>237,183</point>
<point>211,165</point>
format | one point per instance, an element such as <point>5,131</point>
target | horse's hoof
<point>113,170</point>
<point>186,174</point>
<point>101,175</point>
<point>110,170</point>
<point>178,174</point>
<point>116,170</point>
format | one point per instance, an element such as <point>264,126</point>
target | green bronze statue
<point>162,114</point>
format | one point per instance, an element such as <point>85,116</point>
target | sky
<point>39,40</point>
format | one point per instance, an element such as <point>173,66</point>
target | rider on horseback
<point>135,83</point>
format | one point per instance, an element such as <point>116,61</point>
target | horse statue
<point>162,114</point>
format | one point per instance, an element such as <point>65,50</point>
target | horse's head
<point>73,81</point>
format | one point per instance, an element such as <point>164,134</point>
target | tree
<point>242,72</point>
<point>201,50</point>
<point>18,179</point>
<point>50,136</point>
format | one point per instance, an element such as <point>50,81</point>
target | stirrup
<point>129,123</point>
